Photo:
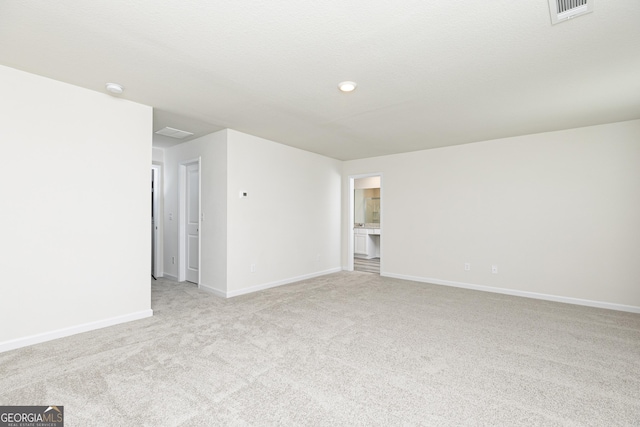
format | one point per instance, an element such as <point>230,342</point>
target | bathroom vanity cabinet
<point>366,242</point>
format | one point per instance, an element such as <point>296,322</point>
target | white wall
<point>76,239</point>
<point>212,150</point>
<point>157,155</point>
<point>290,217</point>
<point>558,213</point>
<point>292,214</point>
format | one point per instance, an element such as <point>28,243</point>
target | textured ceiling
<point>429,73</point>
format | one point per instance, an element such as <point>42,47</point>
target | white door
<point>193,224</point>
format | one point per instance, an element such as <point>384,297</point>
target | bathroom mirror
<point>367,206</point>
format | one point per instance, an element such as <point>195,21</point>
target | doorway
<point>156,194</point>
<point>365,225</point>
<point>189,246</point>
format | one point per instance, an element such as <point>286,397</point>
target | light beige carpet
<point>346,349</point>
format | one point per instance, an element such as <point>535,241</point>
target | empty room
<point>322,214</point>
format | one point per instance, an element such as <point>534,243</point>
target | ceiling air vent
<point>562,10</point>
<point>174,133</point>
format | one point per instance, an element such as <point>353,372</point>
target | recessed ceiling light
<point>114,88</point>
<point>347,86</point>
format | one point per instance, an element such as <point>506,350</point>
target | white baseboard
<point>170,277</point>
<point>526,294</point>
<point>216,292</point>
<point>72,330</point>
<point>281,282</point>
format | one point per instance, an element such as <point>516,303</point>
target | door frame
<point>182,218</point>
<point>157,232</point>
<point>351,216</point>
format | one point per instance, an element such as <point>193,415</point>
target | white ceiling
<point>429,73</point>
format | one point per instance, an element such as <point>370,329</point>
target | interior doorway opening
<point>156,193</point>
<point>365,212</point>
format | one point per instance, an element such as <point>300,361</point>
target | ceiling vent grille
<point>174,133</point>
<point>562,10</point>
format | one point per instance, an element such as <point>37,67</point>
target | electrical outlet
<point>467,266</point>
<point>253,268</point>
<point>494,269</point>
<point>173,260</point>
